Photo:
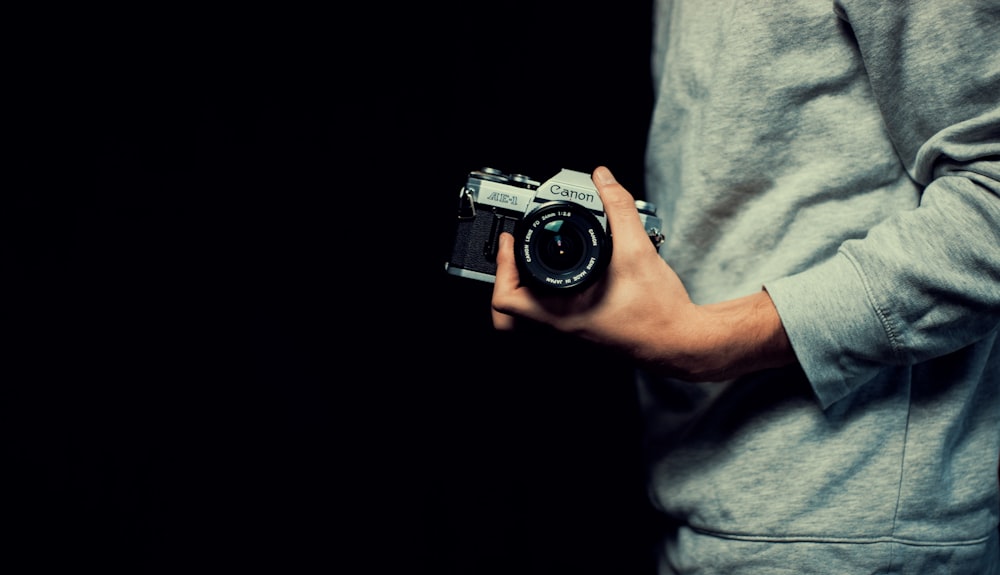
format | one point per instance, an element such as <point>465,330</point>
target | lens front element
<point>561,245</point>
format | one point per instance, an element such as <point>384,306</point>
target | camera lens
<point>561,245</point>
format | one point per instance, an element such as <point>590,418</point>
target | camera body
<point>561,236</point>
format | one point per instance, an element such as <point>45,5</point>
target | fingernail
<point>604,175</point>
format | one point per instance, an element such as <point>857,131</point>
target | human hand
<point>640,308</point>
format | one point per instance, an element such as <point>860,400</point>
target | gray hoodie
<point>846,158</point>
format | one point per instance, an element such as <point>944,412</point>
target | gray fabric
<point>846,157</point>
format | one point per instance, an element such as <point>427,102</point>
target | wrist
<point>740,336</point>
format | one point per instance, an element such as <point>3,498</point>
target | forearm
<point>920,285</point>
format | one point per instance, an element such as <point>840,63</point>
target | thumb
<point>619,207</point>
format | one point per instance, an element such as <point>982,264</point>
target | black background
<point>233,345</point>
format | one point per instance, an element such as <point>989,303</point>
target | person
<point>816,342</point>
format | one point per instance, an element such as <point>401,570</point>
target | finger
<point>619,207</point>
<point>502,321</point>
<point>507,276</point>
<point>506,281</point>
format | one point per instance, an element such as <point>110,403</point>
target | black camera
<point>560,231</point>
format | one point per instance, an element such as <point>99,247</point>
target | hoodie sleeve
<point>925,282</point>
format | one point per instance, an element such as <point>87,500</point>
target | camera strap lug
<point>466,205</point>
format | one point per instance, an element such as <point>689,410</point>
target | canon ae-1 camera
<point>561,236</point>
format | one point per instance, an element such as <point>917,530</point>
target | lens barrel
<point>561,245</point>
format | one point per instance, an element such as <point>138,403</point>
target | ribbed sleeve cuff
<point>833,327</point>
